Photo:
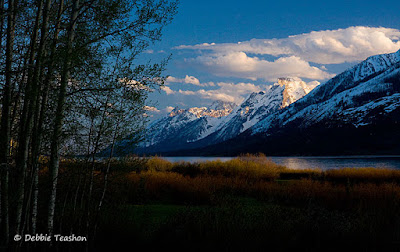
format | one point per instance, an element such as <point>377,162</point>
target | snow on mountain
<point>258,106</point>
<point>222,120</point>
<point>375,64</point>
<point>217,109</point>
<point>294,90</point>
<point>185,125</point>
<point>359,96</point>
<point>350,97</point>
<point>368,68</point>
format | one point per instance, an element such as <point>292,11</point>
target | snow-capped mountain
<point>350,97</point>
<point>356,112</point>
<point>182,126</point>
<point>217,109</point>
<point>256,107</point>
<point>195,127</point>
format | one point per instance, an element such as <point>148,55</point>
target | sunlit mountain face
<point>222,120</point>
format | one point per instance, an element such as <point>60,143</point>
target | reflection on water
<point>323,163</point>
<point>196,159</point>
<point>326,163</point>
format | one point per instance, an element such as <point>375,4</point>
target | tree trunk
<point>16,97</point>
<point>82,173</point>
<point>5,120</point>
<point>95,149</point>
<point>2,14</point>
<point>27,120</point>
<point>107,171</point>
<point>40,107</point>
<point>1,43</point>
<point>59,117</point>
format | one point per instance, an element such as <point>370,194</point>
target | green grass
<point>152,214</point>
<point>244,223</point>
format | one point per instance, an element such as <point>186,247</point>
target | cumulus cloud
<point>239,64</point>
<point>153,112</point>
<point>228,92</point>
<point>192,80</point>
<point>152,109</point>
<point>324,47</point>
<point>167,90</point>
<point>186,92</point>
<point>150,51</point>
<point>168,109</point>
<point>189,80</point>
<point>313,84</point>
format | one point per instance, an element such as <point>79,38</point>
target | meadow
<point>247,203</point>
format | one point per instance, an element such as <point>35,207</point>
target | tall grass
<point>246,166</point>
<point>141,180</point>
<point>257,177</point>
<point>246,198</point>
<point>364,174</point>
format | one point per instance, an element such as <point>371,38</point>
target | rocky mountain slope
<point>256,107</point>
<point>197,127</point>
<point>181,126</point>
<point>350,97</point>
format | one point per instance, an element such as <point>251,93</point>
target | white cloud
<point>313,84</point>
<point>228,92</point>
<point>324,47</point>
<point>186,92</point>
<point>173,79</point>
<point>168,109</point>
<point>239,64</point>
<point>192,80</point>
<point>155,113</point>
<point>150,51</point>
<point>189,80</point>
<point>168,90</point>
<point>152,109</point>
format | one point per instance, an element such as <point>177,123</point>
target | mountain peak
<point>294,89</point>
<point>222,105</point>
<point>217,109</point>
<point>176,111</point>
<point>375,64</point>
<point>286,80</point>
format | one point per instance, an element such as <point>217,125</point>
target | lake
<point>324,163</point>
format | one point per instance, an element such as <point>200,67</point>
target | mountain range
<point>356,112</point>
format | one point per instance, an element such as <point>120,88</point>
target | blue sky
<point>311,40</point>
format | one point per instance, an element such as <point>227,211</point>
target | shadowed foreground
<point>246,203</point>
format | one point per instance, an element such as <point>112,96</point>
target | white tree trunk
<point>59,117</point>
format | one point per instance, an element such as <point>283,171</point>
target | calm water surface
<point>324,163</point>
